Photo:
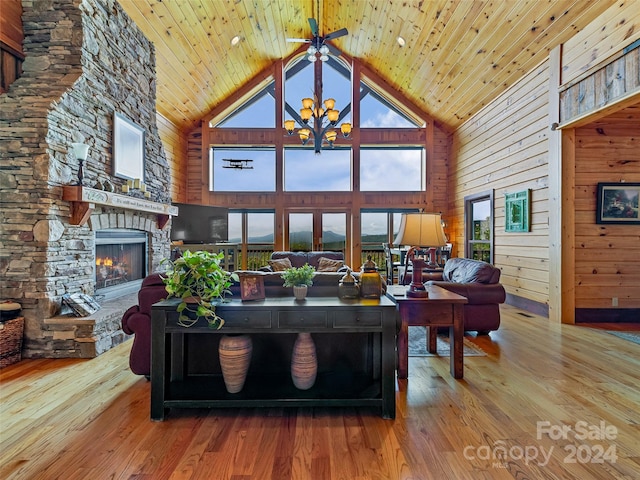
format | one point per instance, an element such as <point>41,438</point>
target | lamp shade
<point>289,125</point>
<point>421,230</point>
<point>80,150</point>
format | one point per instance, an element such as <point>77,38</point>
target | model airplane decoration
<point>237,163</point>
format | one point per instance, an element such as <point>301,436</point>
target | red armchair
<point>137,321</point>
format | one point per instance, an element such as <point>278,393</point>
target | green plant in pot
<point>199,281</point>
<point>300,278</point>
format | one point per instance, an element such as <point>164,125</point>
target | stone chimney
<point>84,61</point>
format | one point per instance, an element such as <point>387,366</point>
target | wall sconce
<point>80,151</point>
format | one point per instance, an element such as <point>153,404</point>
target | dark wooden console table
<point>355,343</point>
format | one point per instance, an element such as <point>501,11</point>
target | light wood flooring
<point>89,419</point>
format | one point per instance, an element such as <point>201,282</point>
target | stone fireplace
<point>121,262</point>
<point>85,60</point>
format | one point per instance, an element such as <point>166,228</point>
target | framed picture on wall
<point>128,148</point>
<point>618,203</point>
<point>517,211</point>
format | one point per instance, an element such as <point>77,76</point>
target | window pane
<point>300,84</point>
<point>394,169</point>
<point>259,112</point>
<point>260,227</point>
<point>376,112</point>
<point>300,232</point>
<point>258,175</point>
<point>334,231</point>
<point>373,227</point>
<point>481,217</point>
<point>235,227</point>
<point>304,171</point>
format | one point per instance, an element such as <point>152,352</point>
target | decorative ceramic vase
<point>235,357</point>
<point>300,292</point>
<point>304,363</point>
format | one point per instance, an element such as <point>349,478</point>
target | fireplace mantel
<point>84,200</point>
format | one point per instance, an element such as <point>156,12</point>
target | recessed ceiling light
<point>235,40</point>
<point>401,41</point>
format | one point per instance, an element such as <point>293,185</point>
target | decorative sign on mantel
<point>84,200</point>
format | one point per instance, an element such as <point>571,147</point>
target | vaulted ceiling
<point>458,54</point>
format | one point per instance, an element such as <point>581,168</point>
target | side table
<point>441,308</point>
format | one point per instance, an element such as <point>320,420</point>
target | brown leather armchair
<point>479,282</point>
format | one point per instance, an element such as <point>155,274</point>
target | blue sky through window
<point>381,169</point>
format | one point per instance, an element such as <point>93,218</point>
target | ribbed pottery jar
<point>300,292</point>
<point>304,363</point>
<point>235,356</point>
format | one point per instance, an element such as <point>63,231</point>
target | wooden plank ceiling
<point>458,56</point>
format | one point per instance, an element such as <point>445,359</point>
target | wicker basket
<point>11,341</point>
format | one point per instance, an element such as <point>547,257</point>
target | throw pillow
<point>328,265</point>
<point>280,265</point>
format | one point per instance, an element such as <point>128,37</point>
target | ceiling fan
<point>318,44</point>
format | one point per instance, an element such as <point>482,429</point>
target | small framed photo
<point>128,148</point>
<point>618,203</point>
<point>251,286</point>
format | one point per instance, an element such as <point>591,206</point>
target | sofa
<point>479,282</point>
<point>137,321</point>
<point>325,283</point>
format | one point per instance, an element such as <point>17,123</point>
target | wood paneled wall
<point>175,146</point>
<point>11,39</point>
<point>607,261</point>
<point>504,148</point>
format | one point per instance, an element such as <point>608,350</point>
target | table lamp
<point>420,230</point>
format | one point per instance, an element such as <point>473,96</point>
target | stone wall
<point>85,60</point>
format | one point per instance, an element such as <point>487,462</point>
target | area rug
<point>631,336</point>
<point>418,345</point>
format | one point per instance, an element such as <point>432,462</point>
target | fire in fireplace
<point>121,261</point>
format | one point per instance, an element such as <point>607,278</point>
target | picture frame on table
<point>251,286</point>
<point>128,148</point>
<point>617,203</point>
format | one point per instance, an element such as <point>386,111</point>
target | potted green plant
<point>199,281</point>
<point>300,278</point>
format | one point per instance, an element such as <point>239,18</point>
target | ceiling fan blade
<point>338,33</point>
<point>298,40</point>
<point>314,27</point>
<point>333,50</point>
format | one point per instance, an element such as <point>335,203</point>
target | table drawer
<point>349,319</point>
<point>247,318</point>
<point>307,319</point>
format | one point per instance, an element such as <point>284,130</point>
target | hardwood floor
<point>89,419</point>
